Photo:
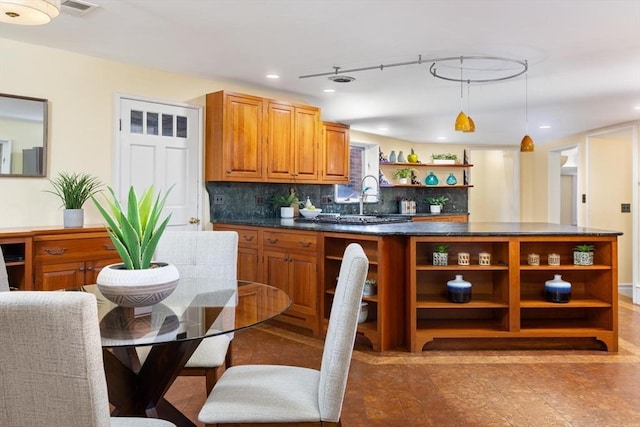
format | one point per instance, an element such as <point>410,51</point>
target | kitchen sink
<point>357,219</point>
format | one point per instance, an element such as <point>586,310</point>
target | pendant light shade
<point>472,125</point>
<point>463,123</point>
<point>28,12</point>
<point>527,144</point>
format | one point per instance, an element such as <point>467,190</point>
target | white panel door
<point>159,145</point>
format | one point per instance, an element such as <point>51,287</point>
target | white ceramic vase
<point>73,218</point>
<point>137,288</point>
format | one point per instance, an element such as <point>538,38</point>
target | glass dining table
<point>173,329</point>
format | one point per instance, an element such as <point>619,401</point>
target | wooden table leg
<point>140,392</point>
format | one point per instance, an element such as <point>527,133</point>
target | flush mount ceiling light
<point>28,12</point>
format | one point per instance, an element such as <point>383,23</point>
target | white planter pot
<point>440,258</point>
<point>435,208</point>
<point>73,218</point>
<point>137,288</point>
<point>444,162</point>
<point>403,180</point>
<point>583,258</point>
<point>286,212</point>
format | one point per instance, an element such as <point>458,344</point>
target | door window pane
<point>135,121</point>
<point>167,125</point>
<point>181,127</point>
<point>152,123</point>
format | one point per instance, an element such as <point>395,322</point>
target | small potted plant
<point>74,189</point>
<point>444,159</point>
<point>440,255</point>
<point>403,174</point>
<point>135,232</point>
<point>436,203</point>
<point>288,204</point>
<point>583,254</point>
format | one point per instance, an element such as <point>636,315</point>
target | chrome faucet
<point>363,195</point>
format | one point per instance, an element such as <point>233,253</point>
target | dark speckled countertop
<point>431,228</point>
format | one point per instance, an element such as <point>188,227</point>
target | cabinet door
<point>303,286</point>
<point>51,277</point>
<point>248,266</point>
<point>276,270</point>
<point>307,141</point>
<point>335,153</point>
<point>280,146</point>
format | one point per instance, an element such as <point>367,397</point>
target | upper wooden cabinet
<point>335,153</point>
<point>253,139</point>
<point>292,148</point>
<point>234,137</point>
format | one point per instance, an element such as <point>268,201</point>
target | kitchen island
<point>410,308</point>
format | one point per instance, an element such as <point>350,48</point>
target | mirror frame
<point>45,136</point>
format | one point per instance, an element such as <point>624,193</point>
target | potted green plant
<point>444,159</point>
<point>135,233</point>
<point>288,204</point>
<point>440,254</point>
<point>74,189</point>
<point>436,203</point>
<point>403,174</point>
<point>583,254</point>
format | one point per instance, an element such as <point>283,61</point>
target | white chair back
<point>51,360</point>
<point>343,322</point>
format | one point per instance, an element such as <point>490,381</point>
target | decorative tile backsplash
<point>230,200</point>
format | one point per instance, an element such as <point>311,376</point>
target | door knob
<point>193,220</point>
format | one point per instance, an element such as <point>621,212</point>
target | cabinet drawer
<point>247,238</point>
<point>289,241</point>
<point>65,250</point>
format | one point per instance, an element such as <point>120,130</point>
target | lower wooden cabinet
<point>71,259</point>
<point>16,250</point>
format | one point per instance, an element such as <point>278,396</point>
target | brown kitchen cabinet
<point>69,258</point>
<point>234,137</point>
<point>384,326</point>
<point>290,262</point>
<point>16,250</point>
<point>292,148</point>
<point>441,218</point>
<point>335,153</point>
<point>249,265</point>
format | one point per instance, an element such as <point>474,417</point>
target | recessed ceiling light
<point>329,90</point>
<point>637,107</point>
<point>273,76</point>
<point>441,138</point>
<point>383,129</point>
<point>545,126</point>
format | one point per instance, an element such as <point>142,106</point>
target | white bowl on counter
<point>310,213</point>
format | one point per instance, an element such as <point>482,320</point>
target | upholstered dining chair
<point>4,277</point>
<point>277,394</point>
<point>51,367</point>
<point>203,255</point>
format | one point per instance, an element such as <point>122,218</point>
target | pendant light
<point>527,143</point>
<point>472,125</point>
<point>462,121</point>
<point>28,12</point>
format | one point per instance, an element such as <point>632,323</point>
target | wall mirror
<point>23,136</point>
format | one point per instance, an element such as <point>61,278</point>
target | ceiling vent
<point>77,7</point>
<point>341,79</point>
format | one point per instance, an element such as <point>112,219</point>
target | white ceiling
<point>583,56</point>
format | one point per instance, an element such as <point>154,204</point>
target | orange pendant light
<point>526,145</point>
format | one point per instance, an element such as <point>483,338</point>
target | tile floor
<point>447,386</point>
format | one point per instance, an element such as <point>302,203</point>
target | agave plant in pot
<point>135,232</point>
<point>74,189</point>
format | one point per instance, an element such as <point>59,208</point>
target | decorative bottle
<point>401,158</point>
<point>451,179</point>
<point>458,290</point>
<point>557,290</point>
<point>431,179</point>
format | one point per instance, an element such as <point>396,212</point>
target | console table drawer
<point>62,250</point>
<point>289,241</point>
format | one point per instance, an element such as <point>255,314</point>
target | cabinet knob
<point>247,238</point>
<point>81,269</point>
<point>55,251</point>
<point>272,241</point>
<point>89,268</point>
<point>304,244</point>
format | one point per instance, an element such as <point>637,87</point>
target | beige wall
<point>81,91</point>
